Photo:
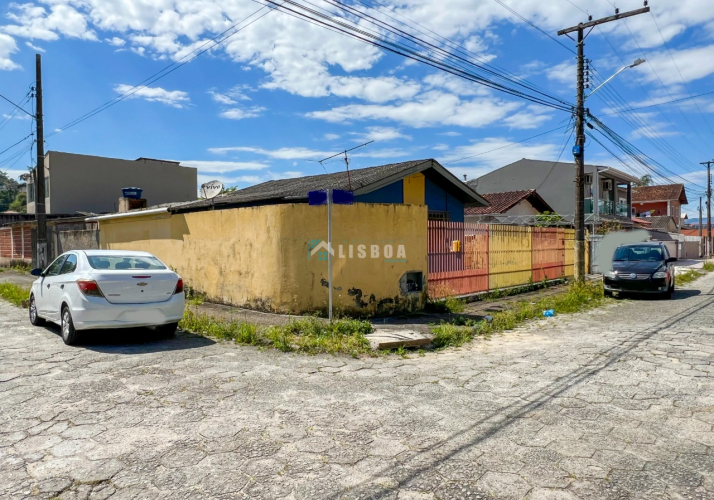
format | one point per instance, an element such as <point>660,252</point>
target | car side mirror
<point>36,272</point>
<point>672,259</point>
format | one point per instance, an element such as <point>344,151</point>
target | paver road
<point>612,404</point>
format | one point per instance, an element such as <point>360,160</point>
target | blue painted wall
<point>392,193</point>
<point>439,200</point>
<point>434,197</point>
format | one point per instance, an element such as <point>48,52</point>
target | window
<point>54,268</point>
<point>30,193</point>
<point>414,282</point>
<point>439,215</point>
<point>47,187</point>
<point>639,253</point>
<point>70,264</point>
<point>125,262</point>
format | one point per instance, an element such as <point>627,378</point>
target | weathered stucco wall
<point>260,257</point>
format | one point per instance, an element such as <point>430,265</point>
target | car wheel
<point>167,331</point>
<point>69,334</point>
<point>668,294</point>
<point>35,319</point>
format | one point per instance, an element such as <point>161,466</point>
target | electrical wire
<point>18,142</point>
<point>663,103</point>
<point>167,70</point>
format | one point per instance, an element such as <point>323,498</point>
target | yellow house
<point>264,247</point>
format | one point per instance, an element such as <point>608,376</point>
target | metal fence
<point>467,258</point>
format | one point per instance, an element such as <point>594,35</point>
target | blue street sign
<point>317,198</point>
<point>340,197</point>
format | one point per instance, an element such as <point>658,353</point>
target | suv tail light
<point>89,288</point>
<point>179,286</point>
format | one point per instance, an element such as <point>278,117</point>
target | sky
<point>281,93</point>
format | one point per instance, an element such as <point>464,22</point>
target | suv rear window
<point>639,253</point>
<point>122,262</point>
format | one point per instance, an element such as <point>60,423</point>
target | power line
<point>16,105</point>
<point>508,145</point>
<point>18,142</point>
<point>167,70</point>
<point>663,103</point>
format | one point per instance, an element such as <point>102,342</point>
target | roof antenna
<point>464,177</point>
<point>347,161</point>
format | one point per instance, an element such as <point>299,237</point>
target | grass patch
<point>13,293</point>
<point>708,266</point>
<point>19,266</point>
<point>445,305</point>
<point>309,335</point>
<point>686,277</point>
<point>577,297</point>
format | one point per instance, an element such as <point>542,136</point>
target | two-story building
<point>83,183</point>
<point>664,200</point>
<point>555,183</point>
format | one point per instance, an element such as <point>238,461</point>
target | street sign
<point>211,189</point>
<point>339,197</point>
<point>317,198</point>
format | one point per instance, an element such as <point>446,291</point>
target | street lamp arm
<point>636,63</point>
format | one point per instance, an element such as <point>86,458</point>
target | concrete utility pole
<point>40,213</point>
<point>700,226</point>
<point>579,148</point>
<point>709,208</point>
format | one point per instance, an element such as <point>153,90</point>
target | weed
<point>576,298</point>
<point>708,266</point>
<point>19,265</point>
<point>14,293</point>
<point>686,277</point>
<point>446,305</point>
<point>310,334</point>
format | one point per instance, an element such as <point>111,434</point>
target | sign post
<point>329,197</point>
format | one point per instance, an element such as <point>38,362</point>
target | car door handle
<point>48,285</point>
<point>61,287</point>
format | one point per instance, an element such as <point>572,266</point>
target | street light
<point>637,62</point>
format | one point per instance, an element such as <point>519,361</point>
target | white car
<point>90,289</point>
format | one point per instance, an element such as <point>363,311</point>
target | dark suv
<point>641,268</point>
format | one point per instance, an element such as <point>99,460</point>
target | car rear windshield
<point>639,253</point>
<point>124,262</point>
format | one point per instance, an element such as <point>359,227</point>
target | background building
<point>83,183</point>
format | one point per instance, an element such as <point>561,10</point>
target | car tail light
<point>179,287</point>
<point>89,288</point>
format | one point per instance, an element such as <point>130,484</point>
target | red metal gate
<point>548,253</point>
<point>457,272</point>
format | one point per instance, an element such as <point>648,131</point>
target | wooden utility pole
<point>701,253</point>
<point>579,148</point>
<point>709,208</point>
<point>40,213</point>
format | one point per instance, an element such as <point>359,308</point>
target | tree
<point>8,191</point>
<point>645,180</point>
<point>20,203</point>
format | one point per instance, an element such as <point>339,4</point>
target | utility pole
<point>700,226</point>
<point>40,213</point>
<point>709,208</point>
<point>579,148</point>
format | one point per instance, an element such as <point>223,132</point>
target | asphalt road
<point>612,404</point>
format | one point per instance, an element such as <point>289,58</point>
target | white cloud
<point>7,48</point>
<point>232,96</point>
<point>564,72</point>
<point>331,137</point>
<point>441,147</point>
<point>429,109</point>
<point>495,152</point>
<point>35,22</point>
<point>532,117</point>
<point>450,134</point>
<point>380,134</point>
<point>242,181</point>
<point>34,47</point>
<point>115,41</point>
<point>242,113</point>
<point>175,98</point>
<point>17,116</point>
<point>455,85</point>
<point>694,63</point>
<point>299,153</point>
<point>220,167</point>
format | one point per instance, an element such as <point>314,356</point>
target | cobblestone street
<point>613,404</point>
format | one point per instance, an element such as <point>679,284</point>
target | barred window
<point>439,215</point>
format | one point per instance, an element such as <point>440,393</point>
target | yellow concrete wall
<point>414,189</point>
<point>258,257</point>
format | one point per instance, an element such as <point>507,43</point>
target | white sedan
<point>90,289</point>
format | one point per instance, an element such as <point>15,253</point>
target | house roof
<point>691,232</point>
<point>644,222</point>
<point>502,202</point>
<point>664,222</point>
<point>361,181</point>
<point>665,192</point>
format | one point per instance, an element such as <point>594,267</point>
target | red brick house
<point>659,200</point>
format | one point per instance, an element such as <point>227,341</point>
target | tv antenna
<point>347,161</point>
